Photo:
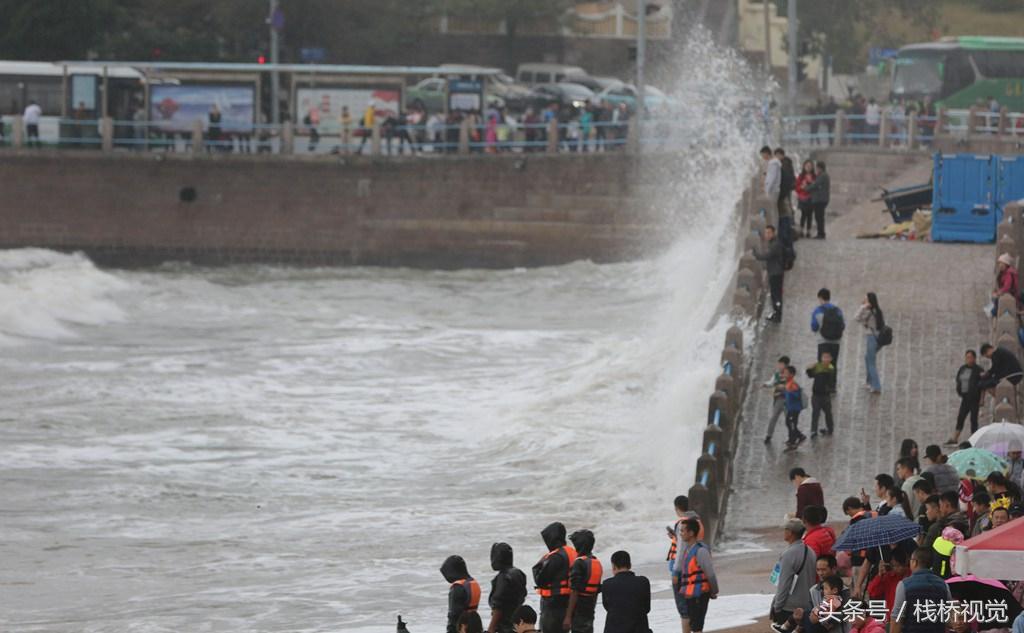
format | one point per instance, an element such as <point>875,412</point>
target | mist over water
<point>274,449</point>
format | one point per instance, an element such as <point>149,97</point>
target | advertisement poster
<point>329,101</point>
<point>465,95</point>
<point>175,108</point>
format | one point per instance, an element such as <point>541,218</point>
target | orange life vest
<point>472,587</point>
<point>674,547</point>
<point>693,582</point>
<point>594,574</point>
<point>560,586</point>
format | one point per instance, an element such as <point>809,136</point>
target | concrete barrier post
<point>734,338</point>
<point>1006,325</point>
<point>972,122</point>
<point>730,387</point>
<point>1004,412</point>
<point>1006,245</point>
<point>375,141</point>
<point>1005,392</point>
<point>714,440</point>
<point>840,128</point>
<point>197,136</point>
<point>743,303</point>
<point>750,280</point>
<point>700,502</point>
<point>1004,120</point>
<point>633,136</point>
<point>1006,305</point>
<point>941,122</point>
<point>107,134</point>
<point>464,137</point>
<point>17,131</point>
<point>709,464</point>
<point>912,130</point>
<point>553,136</point>
<point>883,130</point>
<point>287,138</point>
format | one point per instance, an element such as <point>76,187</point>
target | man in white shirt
<point>873,117</point>
<point>31,117</point>
<point>772,174</point>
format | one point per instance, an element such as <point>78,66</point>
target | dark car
<point>567,95</point>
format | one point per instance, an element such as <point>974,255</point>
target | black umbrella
<point>990,593</point>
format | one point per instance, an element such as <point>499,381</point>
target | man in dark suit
<point>626,598</point>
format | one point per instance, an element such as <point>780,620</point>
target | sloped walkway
<point>932,295</point>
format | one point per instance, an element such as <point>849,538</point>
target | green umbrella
<point>976,462</point>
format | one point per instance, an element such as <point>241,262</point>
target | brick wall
<point>443,212</point>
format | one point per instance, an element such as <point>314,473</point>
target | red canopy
<point>998,553</point>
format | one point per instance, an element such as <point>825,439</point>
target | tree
<point>53,30</point>
<point>514,13</point>
<point>843,29</point>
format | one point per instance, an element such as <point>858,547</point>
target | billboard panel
<point>175,108</point>
<point>329,101</point>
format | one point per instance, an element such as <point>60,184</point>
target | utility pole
<point>767,37</point>
<point>276,22</point>
<point>793,52</point>
<point>641,53</point>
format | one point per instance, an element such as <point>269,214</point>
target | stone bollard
<point>715,436</point>
<point>941,123</point>
<point>197,136</point>
<point>729,386</point>
<point>734,357</point>
<point>1004,120</point>
<point>752,242</point>
<point>743,303</point>
<point>1012,212</point>
<point>17,131</point>
<point>1007,245</point>
<point>1005,392</point>
<point>734,338</point>
<point>552,147</point>
<point>1004,412</point>
<point>883,131</point>
<point>972,122</point>
<point>700,502</point>
<point>750,280</point>
<point>757,224</point>
<point>1006,324</point>
<point>748,261</point>
<point>912,132</point>
<point>709,464</point>
<point>375,143</point>
<point>1009,341</point>
<point>1007,305</point>
<point>1006,228</point>
<point>719,402</point>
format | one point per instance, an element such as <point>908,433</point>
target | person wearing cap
<point>1015,469</point>
<point>796,574</point>
<point>1006,281</point>
<point>946,477</point>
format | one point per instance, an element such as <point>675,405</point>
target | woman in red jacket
<point>805,178</point>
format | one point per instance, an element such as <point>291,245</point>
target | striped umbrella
<point>876,532</point>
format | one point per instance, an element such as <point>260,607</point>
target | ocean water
<point>275,449</point>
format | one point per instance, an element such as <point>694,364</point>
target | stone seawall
<point>474,211</point>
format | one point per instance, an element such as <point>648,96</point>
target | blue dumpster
<point>1009,182</point>
<point>963,200</point>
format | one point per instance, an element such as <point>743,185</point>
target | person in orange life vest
<point>675,535</point>
<point>883,586</point>
<point>464,593</point>
<point>818,537</point>
<point>508,589</point>
<point>551,576</point>
<point>697,581</point>
<point>585,582</point>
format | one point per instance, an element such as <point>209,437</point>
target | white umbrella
<point>997,437</point>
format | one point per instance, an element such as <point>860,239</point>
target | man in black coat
<point>1005,366</point>
<point>774,258</point>
<point>626,598</point>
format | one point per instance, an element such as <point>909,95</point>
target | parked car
<point>566,94</point>
<point>429,93</point>
<point>597,84</point>
<point>654,99</point>
<point>499,88</point>
<point>534,74</point>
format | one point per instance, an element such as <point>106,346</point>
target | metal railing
<point>897,128</point>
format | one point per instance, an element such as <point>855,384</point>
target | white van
<point>533,74</point>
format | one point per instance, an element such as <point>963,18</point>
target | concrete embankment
<point>484,211</point>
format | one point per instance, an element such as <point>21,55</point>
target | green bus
<point>958,72</point>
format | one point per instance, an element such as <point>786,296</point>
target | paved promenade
<point>932,296</point>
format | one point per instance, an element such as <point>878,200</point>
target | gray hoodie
<point>796,562</point>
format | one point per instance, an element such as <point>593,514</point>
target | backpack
<point>832,324</point>
<point>884,335</point>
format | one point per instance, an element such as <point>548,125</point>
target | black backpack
<point>884,336</point>
<point>832,324</point>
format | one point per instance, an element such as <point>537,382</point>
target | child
<point>777,383</point>
<point>821,618</point>
<point>794,405</point>
<point>824,375</point>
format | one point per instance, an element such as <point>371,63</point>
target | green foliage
<point>52,30</point>
<point>845,29</point>
<point>1001,5</point>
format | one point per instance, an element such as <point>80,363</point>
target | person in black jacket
<point>824,375</point>
<point>1005,366</point>
<point>773,257</point>
<point>585,582</point>
<point>508,589</point>
<point>968,379</point>
<point>551,575</point>
<point>626,597</point>
<point>464,593</point>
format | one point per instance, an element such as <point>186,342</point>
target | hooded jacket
<point>551,570</point>
<point>579,574</point>
<point>454,569</point>
<point>508,587</point>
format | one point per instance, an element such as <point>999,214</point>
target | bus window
<point>526,77</point>
<point>559,77</point>
<point>999,64</point>
<point>918,75</point>
<point>959,73</point>
<point>543,78</point>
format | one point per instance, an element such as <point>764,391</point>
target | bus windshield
<point>918,74</point>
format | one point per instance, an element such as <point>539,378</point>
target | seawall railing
<point>710,490</point>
